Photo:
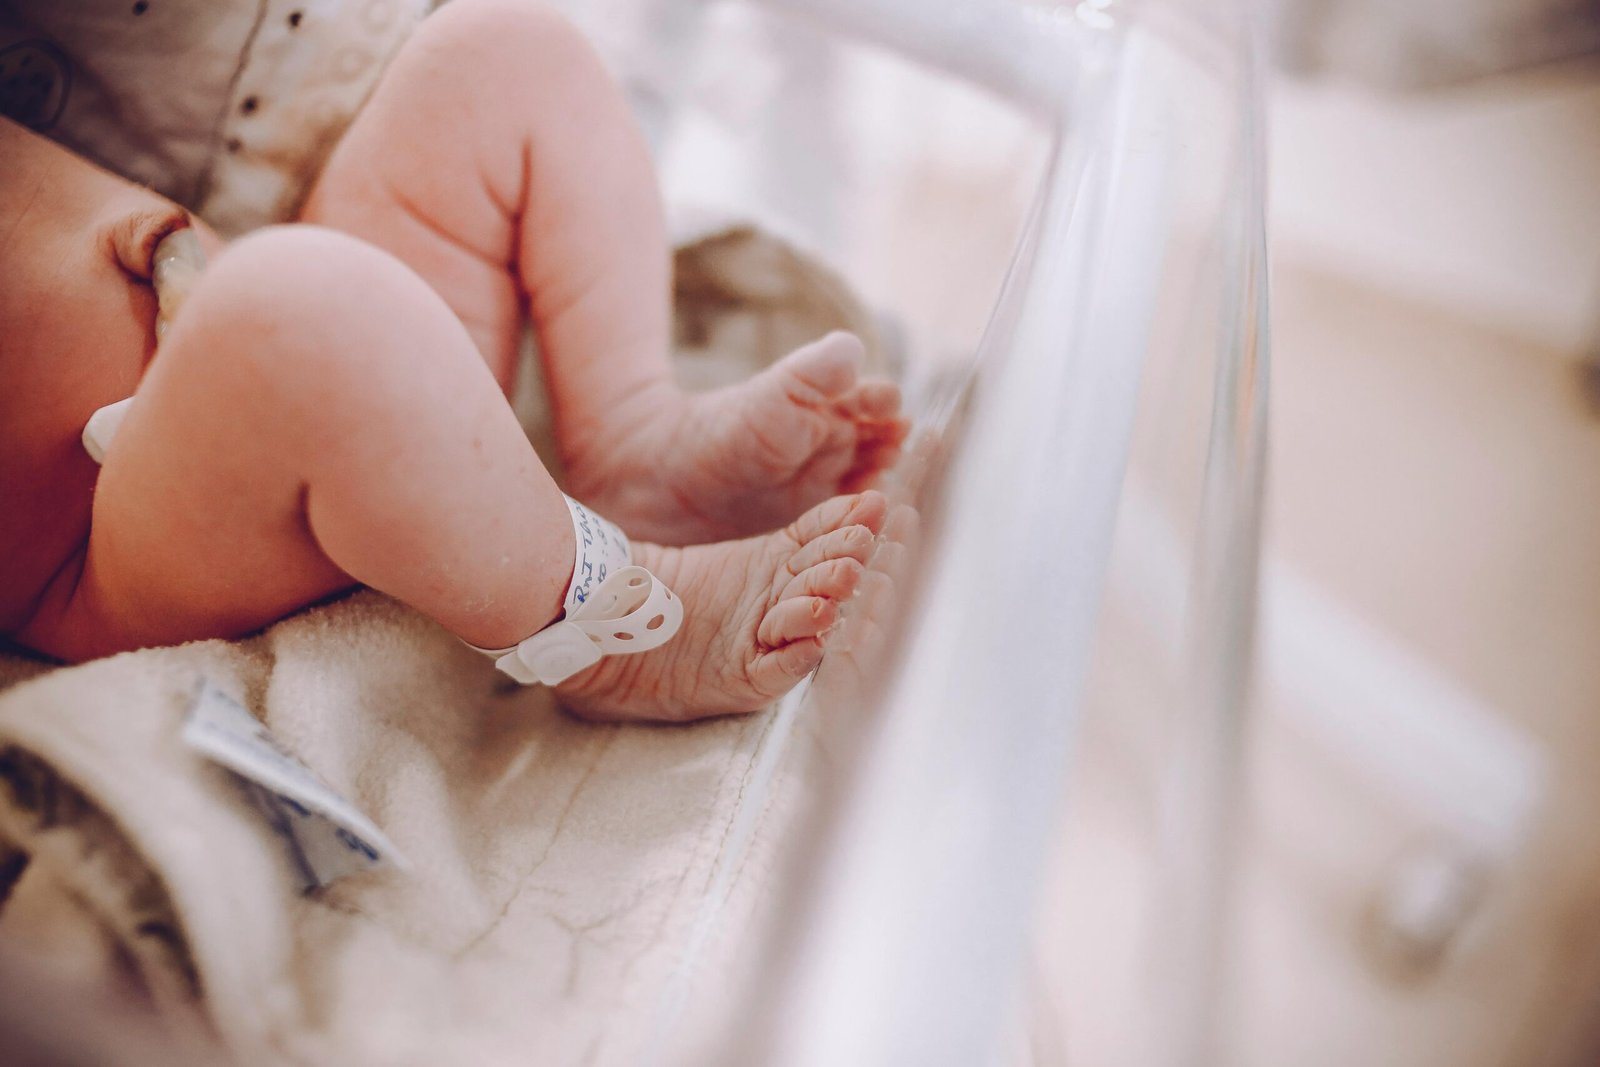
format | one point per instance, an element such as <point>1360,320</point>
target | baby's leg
<point>314,418</point>
<point>498,159</point>
<point>317,417</point>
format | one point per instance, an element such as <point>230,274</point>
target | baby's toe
<point>851,542</point>
<point>874,400</point>
<point>796,620</point>
<point>869,463</point>
<point>834,578</point>
<point>824,370</point>
<point>868,509</point>
<point>894,430</point>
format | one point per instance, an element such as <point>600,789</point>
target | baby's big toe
<point>824,370</point>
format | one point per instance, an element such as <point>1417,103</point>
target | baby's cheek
<point>73,360</point>
<point>130,338</point>
<point>107,339</point>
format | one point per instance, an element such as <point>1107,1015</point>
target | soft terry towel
<point>556,862</point>
<point>558,866</point>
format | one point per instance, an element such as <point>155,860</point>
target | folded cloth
<point>560,870</point>
<point>556,864</point>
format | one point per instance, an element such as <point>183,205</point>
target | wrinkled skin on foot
<point>757,617</point>
<point>678,468</point>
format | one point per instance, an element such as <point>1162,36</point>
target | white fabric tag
<point>602,550</point>
<point>326,835</point>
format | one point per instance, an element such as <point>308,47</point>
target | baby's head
<point>76,250</point>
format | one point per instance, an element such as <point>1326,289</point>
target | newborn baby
<point>328,405</point>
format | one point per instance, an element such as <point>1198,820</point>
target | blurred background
<point>1421,846</point>
<point>1435,223</point>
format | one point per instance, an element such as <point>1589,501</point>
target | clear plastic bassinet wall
<point>996,826</point>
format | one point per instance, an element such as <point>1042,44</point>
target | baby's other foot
<point>756,616</point>
<point>750,457</point>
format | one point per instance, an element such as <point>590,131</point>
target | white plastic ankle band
<point>632,611</point>
<point>611,608</point>
<point>602,549</point>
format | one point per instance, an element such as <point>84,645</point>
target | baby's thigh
<point>425,173</point>
<point>466,153</point>
<point>199,527</point>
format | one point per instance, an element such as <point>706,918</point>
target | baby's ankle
<point>591,440</point>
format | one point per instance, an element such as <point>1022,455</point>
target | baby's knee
<point>311,270</point>
<point>303,308</point>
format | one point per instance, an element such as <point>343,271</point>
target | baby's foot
<point>756,614</point>
<point>745,459</point>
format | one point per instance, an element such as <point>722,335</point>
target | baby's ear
<point>34,77</point>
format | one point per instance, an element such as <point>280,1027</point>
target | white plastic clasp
<point>102,427</point>
<point>631,611</point>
